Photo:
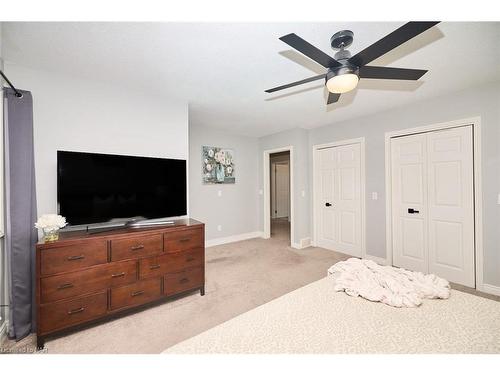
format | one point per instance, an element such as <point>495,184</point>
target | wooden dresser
<point>86,277</point>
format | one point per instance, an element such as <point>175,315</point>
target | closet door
<point>451,207</point>
<point>339,204</point>
<point>409,202</point>
<point>433,203</point>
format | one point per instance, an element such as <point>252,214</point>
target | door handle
<point>327,204</point>
<point>413,211</point>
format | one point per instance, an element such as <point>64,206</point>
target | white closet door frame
<point>315,148</point>
<point>478,192</point>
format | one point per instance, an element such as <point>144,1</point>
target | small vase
<point>219,173</point>
<point>50,235</point>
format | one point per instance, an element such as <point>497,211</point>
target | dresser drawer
<point>181,281</point>
<point>62,314</point>
<point>93,279</point>
<point>183,240</point>
<point>153,266</point>
<point>185,259</point>
<point>136,247</point>
<point>135,294</point>
<point>73,257</point>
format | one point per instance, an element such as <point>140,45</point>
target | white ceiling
<point>222,70</point>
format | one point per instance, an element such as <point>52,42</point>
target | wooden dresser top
<point>67,237</point>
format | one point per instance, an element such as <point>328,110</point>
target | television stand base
<point>139,224</point>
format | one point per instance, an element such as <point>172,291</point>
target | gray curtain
<point>20,211</point>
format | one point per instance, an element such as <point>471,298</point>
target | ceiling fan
<point>345,71</point>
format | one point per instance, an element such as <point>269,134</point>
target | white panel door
<point>282,185</point>
<point>451,207</point>
<point>409,202</point>
<point>338,177</point>
<point>433,203</point>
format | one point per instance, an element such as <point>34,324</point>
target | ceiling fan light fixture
<point>342,80</point>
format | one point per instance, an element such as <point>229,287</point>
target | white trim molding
<point>361,142</point>
<point>302,244</point>
<point>267,193</point>
<point>478,192</point>
<point>230,239</point>
<point>488,288</point>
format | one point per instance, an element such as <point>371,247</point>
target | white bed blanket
<point>390,285</point>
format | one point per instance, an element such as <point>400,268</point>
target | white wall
<point>80,115</point>
<point>237,208</point>
<point>479,101</point>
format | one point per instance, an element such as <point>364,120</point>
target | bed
<point>316,319</point>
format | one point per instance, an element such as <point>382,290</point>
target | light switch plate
<point>498,198</point>
<point>374,195</point>
<point>219,193</point>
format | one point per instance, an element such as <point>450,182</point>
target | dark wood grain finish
<point>63,314</point>
<point>181,281</point>
<point>183,240</point>
<point>170,262</point>
<point>135,294</point>
<point>89,280</point>
<point>115,271</point>
<point>73,257</point>
<point>136,247</point>
<point>176,262</point>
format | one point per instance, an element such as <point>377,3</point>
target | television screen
<point>97,188</point>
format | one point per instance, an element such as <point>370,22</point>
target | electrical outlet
<point>219,193</point>
<point>261,192</point>
<point>303,193</point>
<point>219,227</point>
<point>498,198</point>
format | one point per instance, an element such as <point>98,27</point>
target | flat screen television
<point>100,188</point>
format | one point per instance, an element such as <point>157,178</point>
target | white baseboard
<point>235,238</point>
<point>490,289</point>
<point>378,260</point>
<point>303,243</point>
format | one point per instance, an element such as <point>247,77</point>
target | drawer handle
<point>184,280</point>
<point>138,293</point>
<point>184,239</point>
<point>76,311</point>
<point>121,274</point>
<point>137,247</point>
<point>76,257</point>
<point>65,286</point>
<point>190,259</point>
<point>154,266</point>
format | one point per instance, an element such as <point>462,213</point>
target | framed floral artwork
<point>217,165</point>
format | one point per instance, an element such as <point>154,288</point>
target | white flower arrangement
<point>50,222</point>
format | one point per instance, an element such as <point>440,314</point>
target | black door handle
<point>328,204</point>
<point>413,211</point>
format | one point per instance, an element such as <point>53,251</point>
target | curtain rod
<point>18,94</point>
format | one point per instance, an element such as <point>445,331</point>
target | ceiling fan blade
<point>310,79</point>
<point>381,72</point>
<point>332,98</point>
<point>391,41</point>
<point>310,51</point>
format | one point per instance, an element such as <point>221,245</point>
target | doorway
<point>339,196</point>
<point>278,194</point>
<point>279,168</point>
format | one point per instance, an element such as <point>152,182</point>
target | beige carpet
<point>239,277</point>
<point>316,319</point>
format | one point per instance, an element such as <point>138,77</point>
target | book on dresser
<point>87,277</point>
